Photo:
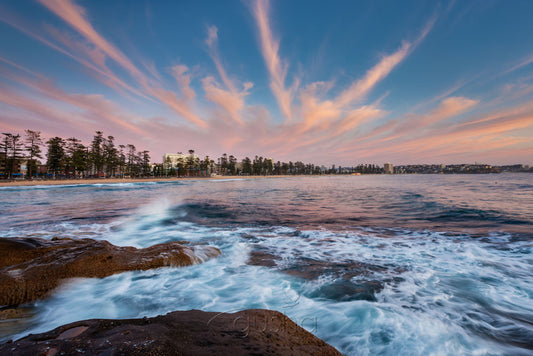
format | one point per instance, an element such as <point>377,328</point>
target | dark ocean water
<point>416,265</point>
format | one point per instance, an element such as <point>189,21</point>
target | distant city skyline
<point>340,82</point>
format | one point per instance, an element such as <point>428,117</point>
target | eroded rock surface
<point>249,332</point>
<point>32,267</point>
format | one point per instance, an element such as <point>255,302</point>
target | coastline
<point>18,183</point>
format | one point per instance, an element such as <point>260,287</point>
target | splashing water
<point>372,265</point>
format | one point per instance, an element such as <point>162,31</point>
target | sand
<point>120,180</point>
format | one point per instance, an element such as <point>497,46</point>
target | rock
<point>32,267</point>
<point>249,332</point>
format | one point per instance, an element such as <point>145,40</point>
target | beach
<point>20,183</point>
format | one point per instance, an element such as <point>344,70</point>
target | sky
<point>324,82</point>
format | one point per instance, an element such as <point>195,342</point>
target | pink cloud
<point>230,99</point>
<point>318,127</point>
<point>184,81</point>
<point>276,69</point>
<point>374,75</point>
<point>75,16</point>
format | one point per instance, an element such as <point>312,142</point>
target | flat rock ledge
<point>249,332</point>
<point>31,267</point>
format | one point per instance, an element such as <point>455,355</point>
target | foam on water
<point>363,289</point>
<point>437,290</point>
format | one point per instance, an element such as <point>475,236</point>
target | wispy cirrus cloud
<point>226,95</point>
<point>181,73</point>
<point>75,16</point>
<point>315,109</point>
<point>472,135</point>
<point>276,67</point>
<point>210,108</point>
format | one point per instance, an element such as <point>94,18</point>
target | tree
<point>192,163</point>
<point>5,146</point>
<point>12,149</point>
<point>223,163</point>
<point>246,166</point>
<point>180,165</point>
<point>97,157</point>
<point>55,155</point>
<point>33,147</point>
<point>205,165</point>
<point>169,168</point>
<point>145,163</point>
<point>268,166</point>
<point>258,165</point>
<point>76,156</point>
<point>232,165</point>
<point>130,158</point>
<point>121,159</point>
<point>110,155</point>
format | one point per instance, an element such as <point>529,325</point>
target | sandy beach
<point>119,180</point>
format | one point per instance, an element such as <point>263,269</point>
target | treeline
<point>70,158</point>
<point>192,165</point>
<point>20,156</point>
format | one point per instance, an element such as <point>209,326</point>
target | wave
<point>368,273</point>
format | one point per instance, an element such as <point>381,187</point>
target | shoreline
<point>19,183</point>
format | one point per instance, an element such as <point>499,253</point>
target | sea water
<point>414,264</point>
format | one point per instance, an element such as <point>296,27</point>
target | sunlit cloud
<point>230,98</point>
<point>523,63</point>
<point>276,68</point>
<point>75,16</point>
<point>183,79</point>
<point>476,133</point>
<point>208,107</point>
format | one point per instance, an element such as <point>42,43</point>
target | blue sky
<point>340,82</point>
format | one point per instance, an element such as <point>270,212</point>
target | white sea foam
<point>438,292</point>
<point>422,313</point>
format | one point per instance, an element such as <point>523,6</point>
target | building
<point>170,160</point>
<point>388,168</point>
<point>12,169</point>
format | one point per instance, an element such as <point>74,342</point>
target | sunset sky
<point>326,82</point>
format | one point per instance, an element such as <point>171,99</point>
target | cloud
<point>277,70</point>
<point>382,69</point>
<point>229,98</point>
<point>231,102</point>
<point>184,81</point>
<point>374,75</point>
<point>451,107</point>
<point>76,17</point>
<point>320,122</point>
<point>523,63</point>
<point>474,134</point>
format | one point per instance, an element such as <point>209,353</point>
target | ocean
<point>377,264</point>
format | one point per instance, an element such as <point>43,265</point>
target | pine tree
<point>33,147</point>
<point>97,157</point>
<point>55,155</point>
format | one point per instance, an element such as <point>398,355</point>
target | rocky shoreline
<point>32,267</point>
<point>194,332</point>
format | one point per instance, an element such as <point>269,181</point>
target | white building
<point>171,159</point>
<point>388,168</point>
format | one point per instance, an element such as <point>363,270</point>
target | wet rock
<point>262,258</point>
<point>249,332</point>
<point>15,313</point>
<point>32,267</point>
